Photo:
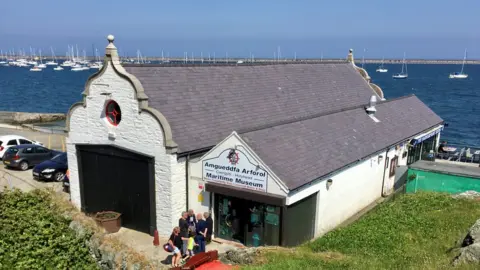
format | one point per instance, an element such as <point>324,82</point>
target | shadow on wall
<point>400,177</point>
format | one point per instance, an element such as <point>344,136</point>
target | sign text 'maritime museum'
<point>233,167</point>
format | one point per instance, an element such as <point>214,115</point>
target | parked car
<point>27,155</point>
<point>52,169</point>
<point>13,140</point>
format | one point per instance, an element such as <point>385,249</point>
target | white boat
<point>58,68</point>
<point>404,73</point>
<point>85,67</point>
<point>77,68</point>
<point>54,61</point>
<point>381,68</point>
<point>42,66</point>
<point>460,75</point>
<point>95,66</point>
<point>35,68</point>
<point>67,63</point>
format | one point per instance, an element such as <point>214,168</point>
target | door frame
<point>151,179</point>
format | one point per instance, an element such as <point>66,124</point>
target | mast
<point>463,63</point>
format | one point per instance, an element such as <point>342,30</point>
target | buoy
<point>156,240</point>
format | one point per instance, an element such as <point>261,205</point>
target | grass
<point>414,231</point>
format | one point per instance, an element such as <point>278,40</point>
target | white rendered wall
<point>138,132</point>
<point>352,190</point>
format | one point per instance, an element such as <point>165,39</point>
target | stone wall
<point>18,118</point>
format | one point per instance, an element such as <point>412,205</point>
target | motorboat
<point>35,68</point>
<point>58,68</point>
<point>460,75</point>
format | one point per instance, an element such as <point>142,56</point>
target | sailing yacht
<point>42,65</point>
<point>381,68</point>
<point>460,75</point>
<point>58,68</point>
<point>404,73</point>
<point>54,61</point>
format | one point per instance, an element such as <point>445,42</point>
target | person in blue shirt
<point>202,230</point>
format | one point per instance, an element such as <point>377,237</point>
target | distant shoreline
<point>309,60</point>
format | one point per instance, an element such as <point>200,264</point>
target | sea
<point>456,101</point>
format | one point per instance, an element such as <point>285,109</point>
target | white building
<point>278,153</point>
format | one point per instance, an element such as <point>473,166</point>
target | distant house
<point>278,153</point>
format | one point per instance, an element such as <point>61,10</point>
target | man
<point>209,221</point>
<point>442,146</point>
<point>201,233</point>
<point>183,225</point>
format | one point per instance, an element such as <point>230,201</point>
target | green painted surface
<point>418,180</point>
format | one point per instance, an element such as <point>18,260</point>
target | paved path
<point>52,141</point>
<point>23,180</point>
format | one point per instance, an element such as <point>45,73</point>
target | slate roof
<point>302,151</point>
<point>204,104</point>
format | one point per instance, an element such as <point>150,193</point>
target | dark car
<point>27,155</point>
<point>52,169</point>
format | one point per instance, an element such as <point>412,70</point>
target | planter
<point>109,220</point>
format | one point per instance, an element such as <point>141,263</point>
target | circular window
<point>113,113</point>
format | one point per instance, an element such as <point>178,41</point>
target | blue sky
<point>422,28</point>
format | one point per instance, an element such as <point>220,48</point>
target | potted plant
<point>109,220</point>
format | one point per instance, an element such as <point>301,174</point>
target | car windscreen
<point>60,158</point>
<point>12,150</point>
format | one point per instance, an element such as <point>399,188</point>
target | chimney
<point>371,106</point>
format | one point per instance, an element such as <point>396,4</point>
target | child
<point>191,244</point>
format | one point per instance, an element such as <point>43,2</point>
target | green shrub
<point>35,235</point>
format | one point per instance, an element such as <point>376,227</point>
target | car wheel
<point>23,165</point>
<point>58,176</point>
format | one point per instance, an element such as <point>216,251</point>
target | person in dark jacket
<point>183,226</point>
<point>209,221</point>
<point>201,233</point>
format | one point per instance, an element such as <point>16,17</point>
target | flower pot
<point>109,220</point>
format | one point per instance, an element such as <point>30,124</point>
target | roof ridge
<point>313,116</point>
<point>220,64</point>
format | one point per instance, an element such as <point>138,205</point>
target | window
<point>12,150</point>
<point>60,158</point>
<point>28,150</point>
<point>393,165</point>
<point>41,150</point>
<point>22,141</point>
<point>113,113</point>
<point>12,142</point>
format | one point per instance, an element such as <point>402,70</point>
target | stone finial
<point>111,49</point>
<point>350,56</point>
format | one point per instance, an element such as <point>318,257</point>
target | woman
<point>192,221</point>
<point>176,243</point>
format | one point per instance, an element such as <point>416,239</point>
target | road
<point>23,180</point>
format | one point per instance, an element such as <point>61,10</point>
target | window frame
<point>41,147</point>
<point>117,117</point>
<point>12,140</point>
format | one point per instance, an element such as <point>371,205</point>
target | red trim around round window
<point>113,113</point>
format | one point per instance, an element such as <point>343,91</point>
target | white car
<point>12,140</point>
